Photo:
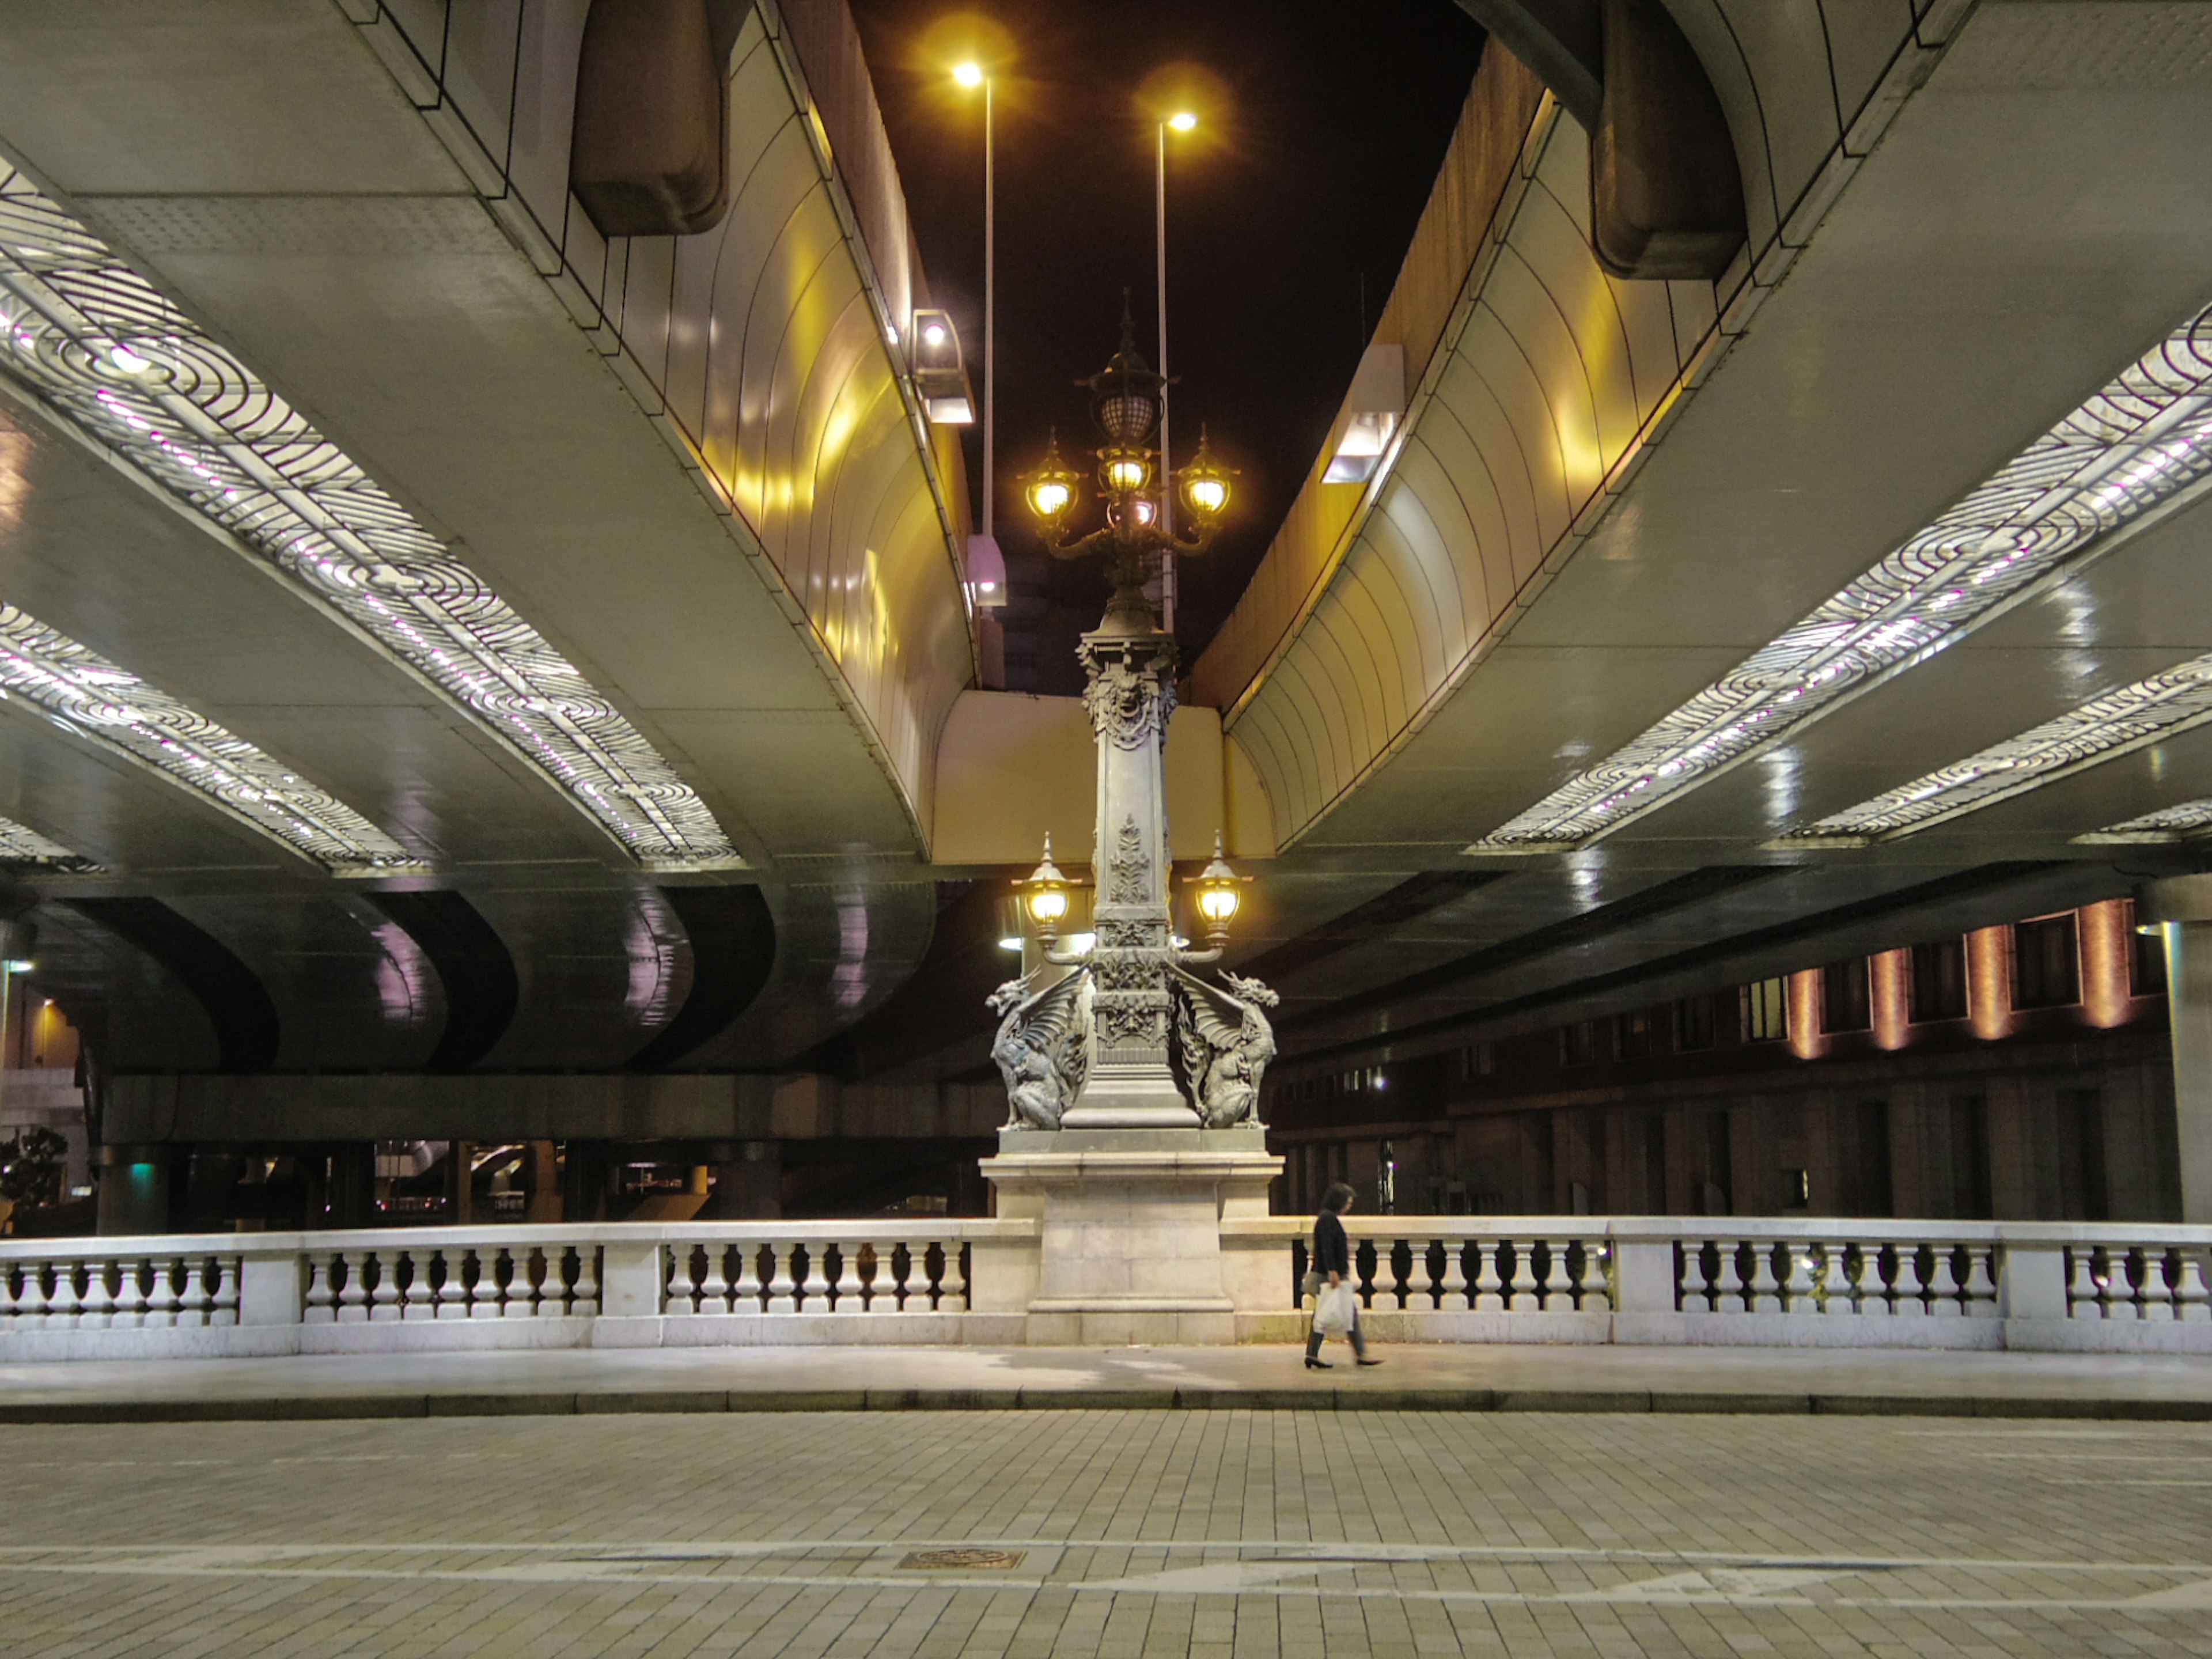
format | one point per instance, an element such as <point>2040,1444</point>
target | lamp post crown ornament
<point>1085,1037</point>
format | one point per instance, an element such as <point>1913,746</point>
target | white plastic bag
<point>1333,1310</point>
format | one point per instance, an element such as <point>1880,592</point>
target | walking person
<point>1336,1301</point>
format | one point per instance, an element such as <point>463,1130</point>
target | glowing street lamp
<point>1218,896</point>
<point>1051,487</point>
<point>1044,895</point>
<point>1205,483</point>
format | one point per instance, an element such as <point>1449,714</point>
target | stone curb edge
<point>567,1403</point>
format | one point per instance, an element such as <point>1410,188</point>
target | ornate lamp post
<point>1092,1048</point>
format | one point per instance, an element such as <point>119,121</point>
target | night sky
<point>1322,130</point>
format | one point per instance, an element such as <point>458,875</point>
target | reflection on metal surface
<point>22,846</point>
<point>2103,727</point>
<point>94,699</point>
<point>2131,448</point>
<point>97,347</point>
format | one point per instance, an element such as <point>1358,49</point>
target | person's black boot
<point>1314,1361</point>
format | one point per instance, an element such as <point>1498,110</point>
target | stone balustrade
<point>2122,1287</point>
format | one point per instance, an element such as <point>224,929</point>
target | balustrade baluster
<point>1870,1290</point>
<point>952,1289</point>
<point>1905,1285</point>
<point>678,1298</point>
<point>1768,1294</point>
<point>451,1299</point>
<point>1596,1293</point>
<point>1691,1294</point>
<point>321,1300</point>
<point>782,1290</point>
<point>1981,1282</point>
<point>415,1297</point>
<point>2191,1304</point>
<point>62,1307</point>
<point>883,1289</point>
<point>2156,1287</point>
<point>1454,1283</point>
<point>31,1303</point>
<point>745,1298</point>
<point>2085,1297</point>
<point>584,1298</point>
<point>1558,1297</point>
<point>849,1290</point>
<point>2130,1284</point>
<point>543,1291</point>
<point>8,1304</point>
<point>383,1299</point>
<point>222,1308</point>
<point>353,1295</point>
<point>814,1290</point>
<point>1489,1289</point>
<point>1835,1280</point>
<point>714,1289</point>
<point>1728,1277</point>
<point>1943,1284</point>
<point>129,1311</point>
<point>197,1304</point>
<point>1524,1297</point>
<point>487,1297</point>
<point>93,1301</point>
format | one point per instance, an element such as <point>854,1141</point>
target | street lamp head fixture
<point>1205,482</point>
<point>969,75</point>
<point>1125,395</point>
<point>1051,487</point>
<point>1181,121</point>
<point>1044,893</point>
<point>1218,894</point>
<point>1125,472</point>
<point>1133,512</point>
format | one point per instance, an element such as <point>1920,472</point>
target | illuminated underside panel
<point>2131,448</point>
<point>21,847</point>
<point>2099,730</point>
<point>97,347</point>
<point>92,698</point>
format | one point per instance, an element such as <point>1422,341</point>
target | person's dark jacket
<point>1332,1251</point>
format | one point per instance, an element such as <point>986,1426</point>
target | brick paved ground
<point>1138,1532</point>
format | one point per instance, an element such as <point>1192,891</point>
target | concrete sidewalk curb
<point>565,1403</point>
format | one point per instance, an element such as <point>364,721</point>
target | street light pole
<point>990,302</point>
<point>1167,494</point>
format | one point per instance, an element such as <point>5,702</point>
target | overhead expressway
<point>566,624</point>
<point>1849,593</point>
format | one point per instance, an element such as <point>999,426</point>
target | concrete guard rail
<point>2133,1288</point>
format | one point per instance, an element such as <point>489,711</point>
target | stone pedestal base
<point>1130,1244</point>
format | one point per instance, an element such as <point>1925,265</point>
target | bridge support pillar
<point>2181,907</point>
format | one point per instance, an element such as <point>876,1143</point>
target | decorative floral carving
<point>1130,869</point>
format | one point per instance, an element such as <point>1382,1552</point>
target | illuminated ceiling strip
<point>21,846</point>
<point>2100,730</point>
<point>2133,448</point>
<point>2186,822</point>
<point>90,696</point>
<point>96,345</point>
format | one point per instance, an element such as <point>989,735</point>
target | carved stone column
<point>1129,666</point>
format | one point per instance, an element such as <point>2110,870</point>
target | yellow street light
<point>1045,896</point>
<point>1182,121</point>
<point>969,74</point>
<point>1126,470</point>
<point>1206,482</point>
<point>1218,894</point>
<point>1051,487</point>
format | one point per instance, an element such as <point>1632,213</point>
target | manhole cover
<point>963,1557</point>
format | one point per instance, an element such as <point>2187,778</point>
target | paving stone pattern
<point>1235,1534</point>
